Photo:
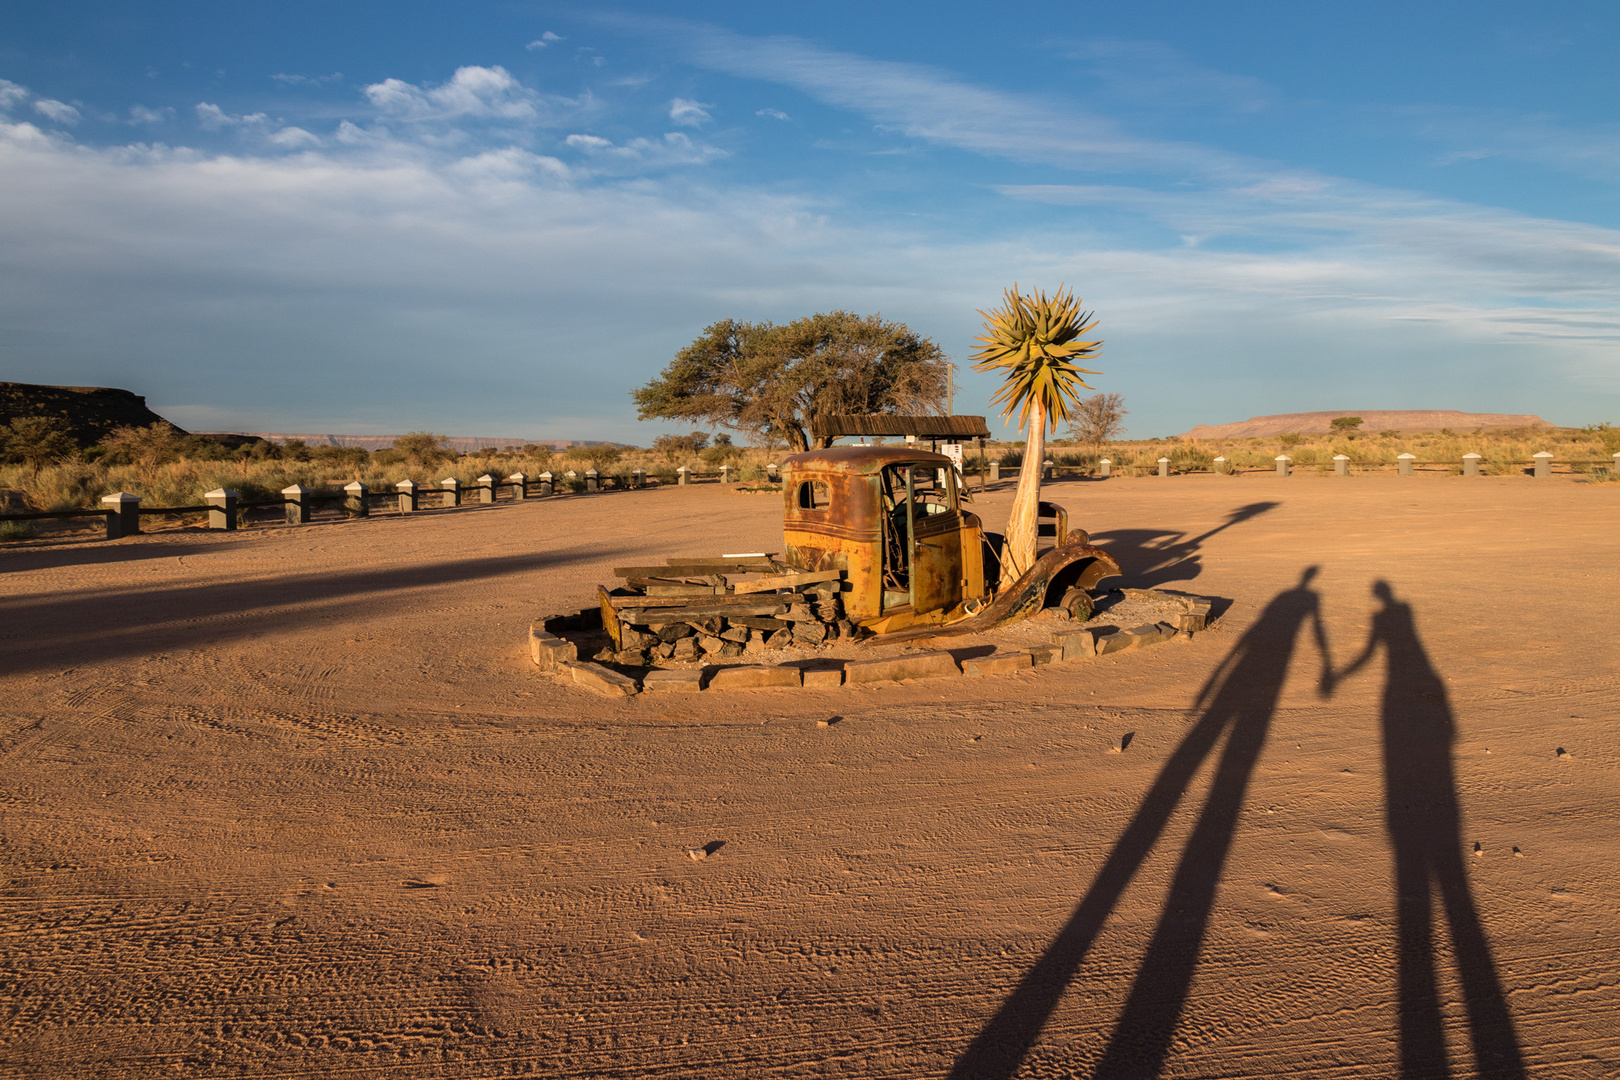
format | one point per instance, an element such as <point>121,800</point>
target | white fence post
<point>452,491</point>
<point>1341,464</point>
<point>1404,464</point>
<point>222,509</point>
<point>407,495</point>
<point>1105,468</point>
<point>1283,461</point>
<point>520,485</point>
<point>1164,466</point>
<point>123,514</point>
<point>1543,462</point>
<point>1471,464</point>
<point>297,501</point>
<point>358,502</point>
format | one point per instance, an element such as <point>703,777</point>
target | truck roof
<point>863,459</point>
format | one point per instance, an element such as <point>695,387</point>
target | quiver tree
<point>781,381</point>
<point>1034,341</point>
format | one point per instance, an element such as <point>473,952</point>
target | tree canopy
<point>778,382</point>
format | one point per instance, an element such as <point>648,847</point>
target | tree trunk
<point>1019,553</point>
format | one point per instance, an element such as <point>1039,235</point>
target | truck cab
<point>892,519</point>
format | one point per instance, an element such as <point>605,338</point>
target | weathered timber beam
<point>787,581</point>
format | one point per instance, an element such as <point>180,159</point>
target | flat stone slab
<point>823,678</point>
<point>595,677</point>
<point>927,665</point>
<point>1135,638</point>
<point>1076,644</point>
<point>1001,663</point>
<point>547,650</point>
<point>672,680</point>
<point>754,678</point>
<point>1045,654</point>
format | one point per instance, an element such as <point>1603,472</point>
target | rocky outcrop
<point>1372,420</point>
<point>90,412</point>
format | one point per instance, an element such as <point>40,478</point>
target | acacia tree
<point>36,441</point>
<point>1033,339</point>
<point>1099,418</point>
<point>781,382</point>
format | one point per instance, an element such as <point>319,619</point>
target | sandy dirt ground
<point>293,802</point>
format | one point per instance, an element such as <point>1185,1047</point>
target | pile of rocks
<point>806,617</point>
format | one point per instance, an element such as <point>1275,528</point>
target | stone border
<point>556,655</point>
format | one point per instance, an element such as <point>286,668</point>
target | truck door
<point>934,525</point>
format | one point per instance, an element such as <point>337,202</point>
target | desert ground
<point>294,802</point>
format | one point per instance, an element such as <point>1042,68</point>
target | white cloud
<point>11,94</point>
<point>675,148</point>
<point>59,112</point>
<point>774,114</point>
<point>140,114</point>
<point>212,118</point>
<point>543,40</point>
<point>689,113</point>
<point>293,138</point>
<point>307,80</point>
<point>488,93</point>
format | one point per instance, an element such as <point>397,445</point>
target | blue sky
<point>501,218</point>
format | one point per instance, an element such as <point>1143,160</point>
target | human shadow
<point>1159,556</point>
<point>1238,702</point>
<point>1425,830</point>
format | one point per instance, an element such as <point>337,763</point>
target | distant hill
<point>462,443</point>
<point>1402,420</point>
<point>90,412</point>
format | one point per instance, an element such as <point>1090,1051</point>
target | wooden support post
<point>486,488</point>
<point>1471,464</point>
<point>452,491</point>
<point>1404,464</point>
<point>123,514</point>
<point>1543,462</point>
<point>297,500</point>
<point>407,495</point>
<point>222,509</point>
<point>359,498</point>
<point>1283,461</point>
<point>1341,464</point>
<point>520,485</point>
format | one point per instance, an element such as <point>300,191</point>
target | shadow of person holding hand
<point>1238,703</point>
<point>1425,830</point>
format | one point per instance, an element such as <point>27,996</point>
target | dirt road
<point>292,802</point>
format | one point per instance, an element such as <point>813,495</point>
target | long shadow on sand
<point>1238,702</point>
<point>1425,831</point>
<point>65,631</point>
<point>1160,556</point>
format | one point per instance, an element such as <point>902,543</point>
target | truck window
<point>814,495</point>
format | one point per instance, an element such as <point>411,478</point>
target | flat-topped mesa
<point>1372,420</point>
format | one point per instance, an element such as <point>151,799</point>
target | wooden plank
<point>685,590</point>
<point>788,581</point>
<point>756,622</point>
<point>635,600</point>
<point>699,568</point>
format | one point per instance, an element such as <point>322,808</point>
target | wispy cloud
<point>59,112</point>
<point>774,114</point>
<point>306,80</point>
<point>940,107</point>
<point>11,94</point>
<point>213,118</point>
<point>675,148</point>
<point>689,113</point>
<point>1154,74</point>
<point>140,114</point>
<point>1541,140</point>
<point>544,40</point>
<point>472,92</point>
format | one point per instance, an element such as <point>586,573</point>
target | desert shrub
<point>1191,457</point>
<point>1289,441</point>
<point>62,488</point>
<point>1013,458</point>
<point>17,530</point>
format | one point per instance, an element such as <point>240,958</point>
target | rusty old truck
<point>878,543</point>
